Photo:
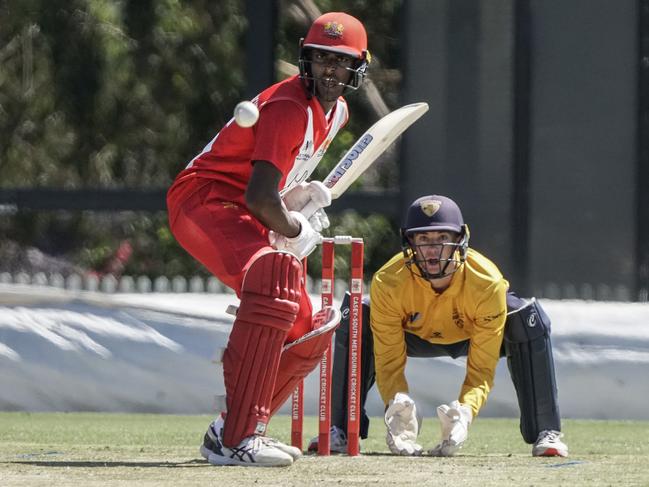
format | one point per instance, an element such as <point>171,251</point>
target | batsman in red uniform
<point>236,209</point>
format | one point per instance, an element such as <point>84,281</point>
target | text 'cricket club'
<point>353,357</point>
<point>324,367</point>
<point>323,410</point>
<point>295,407</point>
<point>348,161</point>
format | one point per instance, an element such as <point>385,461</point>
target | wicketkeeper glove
<point>310,199</point>
<point>403,426</point>
<point>302,244</point>
<point>455,419</point>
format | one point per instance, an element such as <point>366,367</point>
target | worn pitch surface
<point>88,449</point>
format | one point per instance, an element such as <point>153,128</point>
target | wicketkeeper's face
<point>434,249</point>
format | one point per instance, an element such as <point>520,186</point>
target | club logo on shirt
<point>430,207</point>
<point>323,148</point>
<point>531,320</point>
<point>458,319</point>
<point>303,156</point>
<point>489,318</point>
<point>334,29</point>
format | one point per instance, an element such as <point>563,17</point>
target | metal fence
<point>111,284</point>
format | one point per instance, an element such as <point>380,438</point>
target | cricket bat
<point>368,148</point>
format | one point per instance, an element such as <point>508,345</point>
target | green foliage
<point>104,93</point>
<point>154,250</point>
<point>381,241</point>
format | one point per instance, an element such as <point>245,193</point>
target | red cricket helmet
<point>340,33</point>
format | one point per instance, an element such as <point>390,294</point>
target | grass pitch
<point>89,449</point>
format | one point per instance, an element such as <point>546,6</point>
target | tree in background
<point>105,93</point>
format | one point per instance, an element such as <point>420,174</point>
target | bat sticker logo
<point>348,161</point>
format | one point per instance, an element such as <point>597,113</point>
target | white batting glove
<point>455,419</point>
<point>319,220</point>
<point>403,426</point>
<point>302,244</point>
<point>310,199</point>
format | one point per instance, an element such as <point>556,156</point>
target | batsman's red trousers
<point>224,237</point>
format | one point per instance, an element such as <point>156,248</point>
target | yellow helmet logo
<point>334,29</point>
<point>430,207</point>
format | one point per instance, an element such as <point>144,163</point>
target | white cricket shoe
<point>293,451</point>
<point>549,444</point>
<point>337,441</point>
<point>253,451</point>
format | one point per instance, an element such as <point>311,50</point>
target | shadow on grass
<point>92,464</point>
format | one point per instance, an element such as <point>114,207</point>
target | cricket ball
<point>246,114</point>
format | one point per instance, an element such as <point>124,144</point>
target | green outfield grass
<point>89,449</point>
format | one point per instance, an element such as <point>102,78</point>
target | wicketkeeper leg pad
<point>340,371</point>
<point>270,296</point>
<point>531,366</point>
<point>301,356</point>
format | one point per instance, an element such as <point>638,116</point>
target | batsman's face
<point>434,249</point>
<point>331,72</point>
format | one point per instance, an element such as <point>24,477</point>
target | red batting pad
<point>300,357</point>
<point>270,298</point>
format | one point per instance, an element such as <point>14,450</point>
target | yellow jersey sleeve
<point>488,324</point>
<point>386,322</point>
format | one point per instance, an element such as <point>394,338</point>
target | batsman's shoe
<point>253,451</point>
<point>294,452</point>
<point>337,441</point>
<point>549,444</point>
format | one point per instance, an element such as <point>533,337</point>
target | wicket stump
<point>354,358</point>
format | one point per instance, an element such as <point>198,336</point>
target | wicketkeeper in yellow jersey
<point>441,298</point>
